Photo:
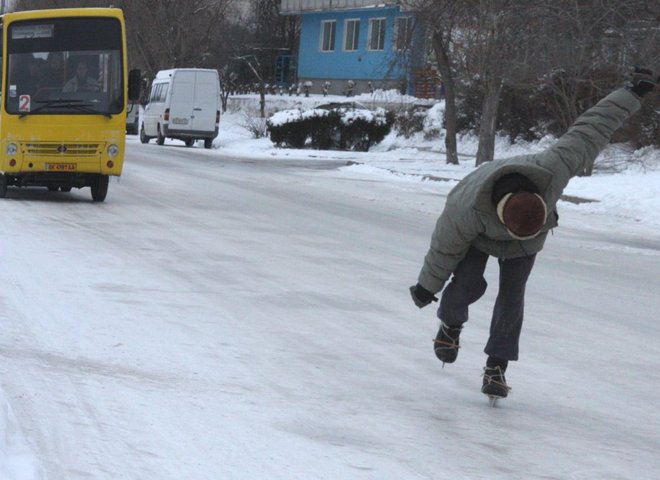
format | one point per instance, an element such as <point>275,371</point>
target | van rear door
<point>205,104</point>
<point>181,101</point>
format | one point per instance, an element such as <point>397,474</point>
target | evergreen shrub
<point>329,129</point>
<point>361,129</point>
<point>409,121</point>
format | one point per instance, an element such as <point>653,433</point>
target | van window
<point>154,92</point>
<point>159,92</point>
<point>163,92</point>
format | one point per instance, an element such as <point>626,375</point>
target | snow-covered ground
<point>242,313</point>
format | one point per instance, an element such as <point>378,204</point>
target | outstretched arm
<point>578,148</point>
<point>591,132</point>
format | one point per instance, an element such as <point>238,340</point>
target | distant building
<point>358,45</point>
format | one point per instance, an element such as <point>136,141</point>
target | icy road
<point>219,318</point>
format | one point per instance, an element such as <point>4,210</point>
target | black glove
<point>421,296</point>
<point>642,81</point>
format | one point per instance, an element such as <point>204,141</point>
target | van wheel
<point>160,140</point>
<point>208,142</point>
<point>100,188</point>
<point>143,136</point>
<point>3,185</point>
<point>190,142</point>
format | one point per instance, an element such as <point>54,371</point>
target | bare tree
<point>270,35</point>
<point>162,33</point>
<point>227,84</point>
<point>500,38</point>
<point>444,47</point>
<point>473,41</point>
<point>175,33</point>
<point>443,19</point>
<point>272,29</point>
<point>257,69</point>
<point>591,45</point>
<point>594,43</point>
<point>575,50</point>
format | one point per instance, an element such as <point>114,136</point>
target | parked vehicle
<point>185,105</point>
<point>342,106</point>
<point>132,117</point>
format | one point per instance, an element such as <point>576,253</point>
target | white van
<point>185,105</point>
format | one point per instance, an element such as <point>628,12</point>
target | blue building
<point>370,44</point>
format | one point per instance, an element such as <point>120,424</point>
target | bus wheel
<point>160,140</point>
<point>3,185</point>
<point>66,189</point>
<point>190,142</point>
<point>52,188</point>
<point>100,188</point>
<point>143,136</point>
<point>208,142</point>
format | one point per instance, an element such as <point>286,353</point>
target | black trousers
<point>468,285</point>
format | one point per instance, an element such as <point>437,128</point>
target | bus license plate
<point>61,167</point>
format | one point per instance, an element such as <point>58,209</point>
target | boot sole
<point>494,391</point>
<point>445,358</point>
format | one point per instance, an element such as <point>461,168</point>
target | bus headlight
<point>12,149</point>
<point>113,150</point>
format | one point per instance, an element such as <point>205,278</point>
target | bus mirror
<point>134,84</point>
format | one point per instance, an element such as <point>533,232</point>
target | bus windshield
<point>64,66</point>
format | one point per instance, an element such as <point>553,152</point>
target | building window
<point>403,34</point>
<point>328,29</point>
<point>377,34</point>
<point>351,35</point>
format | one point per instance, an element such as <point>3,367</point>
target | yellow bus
<point>64,93</point>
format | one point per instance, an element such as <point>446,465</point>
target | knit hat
<point>519,207</point>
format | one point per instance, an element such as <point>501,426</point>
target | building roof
<point>296,7</point>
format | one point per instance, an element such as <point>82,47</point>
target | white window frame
<point>407,34</point>
<point>333,35</point>
<point>356,34</point>
<point>382,21</point>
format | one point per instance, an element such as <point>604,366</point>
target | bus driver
<point>81,81</point>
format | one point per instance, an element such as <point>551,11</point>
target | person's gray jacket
<point>469,218</point>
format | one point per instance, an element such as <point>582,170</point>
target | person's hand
<point>421,296</point>
<point>642,81</point>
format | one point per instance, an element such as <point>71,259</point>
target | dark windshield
<point>65,65</point>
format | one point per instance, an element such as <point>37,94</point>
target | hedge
<point>333,129</point>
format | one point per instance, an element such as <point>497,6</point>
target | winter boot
<point>446,342</point>
<point>494,382</point>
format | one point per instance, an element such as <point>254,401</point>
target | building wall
<point>383,66</point>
